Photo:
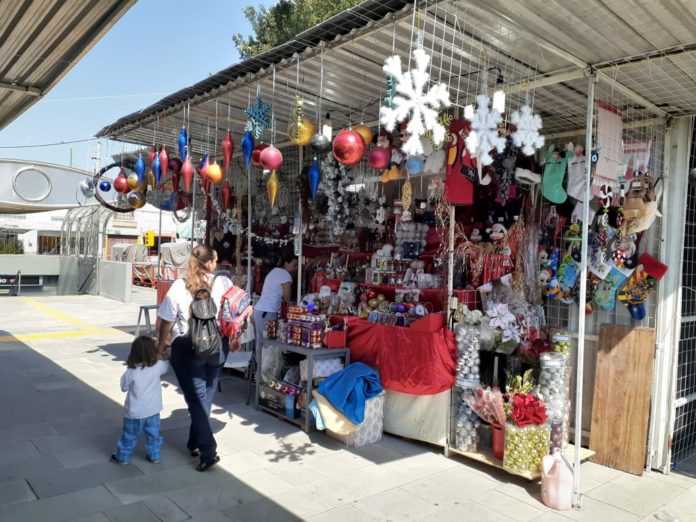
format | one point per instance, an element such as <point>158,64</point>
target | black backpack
<point>203,326</point>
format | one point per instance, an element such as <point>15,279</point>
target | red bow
<point>527,409</point>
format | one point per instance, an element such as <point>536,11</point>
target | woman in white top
<point>277,288</point>
<point>197,377</point>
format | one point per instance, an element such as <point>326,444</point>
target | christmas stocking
<point>554,175</point>
<point>636,292</point>
<point>605,293</point>
<point>567,275</point>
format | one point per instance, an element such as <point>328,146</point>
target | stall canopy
<point>41,41</point>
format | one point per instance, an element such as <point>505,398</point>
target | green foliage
<point>283,21</point>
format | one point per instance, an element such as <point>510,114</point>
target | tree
<point>283,21</point>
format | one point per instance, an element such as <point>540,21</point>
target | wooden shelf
<point>485,456</point>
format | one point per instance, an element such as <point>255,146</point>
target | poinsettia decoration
<point>528,410</point>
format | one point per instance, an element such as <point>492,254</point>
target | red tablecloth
<point>409,360</point>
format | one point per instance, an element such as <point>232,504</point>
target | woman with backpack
<point>197,355</point>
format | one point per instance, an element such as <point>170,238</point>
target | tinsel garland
<point>334,183</point>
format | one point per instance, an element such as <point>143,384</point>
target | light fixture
<point>327,129</point>
<point>499,94</point>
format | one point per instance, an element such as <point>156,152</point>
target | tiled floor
<point>60,415</point>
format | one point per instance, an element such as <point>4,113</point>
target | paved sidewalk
<point>61,413</point>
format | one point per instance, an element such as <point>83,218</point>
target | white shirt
<point>178,301</point>
<point>272,293</point>
<point>144,398</point>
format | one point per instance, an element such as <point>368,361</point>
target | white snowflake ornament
<point>484,135</point>
<point>415,101</point>
<point>527,134</point>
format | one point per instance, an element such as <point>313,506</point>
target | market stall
<point>469,213</point>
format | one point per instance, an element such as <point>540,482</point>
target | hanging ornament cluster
<point>335,182</point>
<point>415,101</point>
<point>527,134</point>
<point>259,118</point>
<point>484,136</point>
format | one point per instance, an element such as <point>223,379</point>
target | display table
<point>312,355</point>
<point>437,297</point>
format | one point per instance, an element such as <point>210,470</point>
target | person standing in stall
<point>277,288</point>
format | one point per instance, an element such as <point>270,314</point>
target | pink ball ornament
<point>348,147</point>
<point>379,158</point>
<point>271,158</point>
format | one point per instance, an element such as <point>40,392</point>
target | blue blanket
<point>348,390</point>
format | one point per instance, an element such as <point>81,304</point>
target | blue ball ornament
<point>104,186</point>
<point>415,165</point>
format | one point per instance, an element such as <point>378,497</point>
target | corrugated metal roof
<point>646,45</point>
<point>40,41</point>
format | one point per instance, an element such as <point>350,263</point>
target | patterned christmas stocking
<point>605,293</point>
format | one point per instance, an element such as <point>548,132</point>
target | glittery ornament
<point>272,187</point>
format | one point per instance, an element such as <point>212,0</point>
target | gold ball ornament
<point>133,181</point>
<point>301,134</point>
<point>365,133</point>
<point>136,199</point>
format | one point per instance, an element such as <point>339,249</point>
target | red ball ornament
<point>271,158</point>
<point>121,183</point>
<point>379,158</point>
<point>256,154</point>
<point>348,147</point>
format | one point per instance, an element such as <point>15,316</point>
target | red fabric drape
<point>408,360</point>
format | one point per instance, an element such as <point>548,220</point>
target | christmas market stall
<point>475,205</point>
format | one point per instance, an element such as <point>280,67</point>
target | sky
<point>156,48</point>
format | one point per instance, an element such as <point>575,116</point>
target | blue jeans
<point>132,428</point>
<point>198,380</point>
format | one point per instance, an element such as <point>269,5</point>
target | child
<point>143,403</point>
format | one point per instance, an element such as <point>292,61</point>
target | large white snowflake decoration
<point>527,134</point>
<point>484,135</point>
<point>415,101</point>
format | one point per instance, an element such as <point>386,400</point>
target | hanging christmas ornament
<point>415,165</point>
<point>187,173</point>
<point>226,195</point>
<point>247,147</point>
<point>272,188</point>
<point>87,188</point>
<point>406,195</point>
<point>136,199</point>
<point>227,150</point>
<point>151,181</point>
<point>379,158</point>
<point>320,143</point>
<point>259,120</point>
<point>527,134</point>
<point>301,133</point>
<point>104,186</point>
<point>133,181</point>
<point>174,164</point>
<point>256,154</point>
<point>206,185</point>
<point>365,132</point>
<point>348,147</point>
<point>121,182</point>
<point>151,155</point>
<point>390,92</point>
<point>156,170</point>
<point>484,136</point>
<point>271,158</point>
<point>140,167</point>
<point>415,101</point>
<point>175,180</point>
<point>214,173</point>
<point>314,177</point>
<point>164,161</point>
<point>183,143</point>
<point>203,165</point>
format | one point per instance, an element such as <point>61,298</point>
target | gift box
<point>370,431</point>
<point>336,339</point>
<point>525,448</point>
<point>321,368</point>
<point>277,401</point>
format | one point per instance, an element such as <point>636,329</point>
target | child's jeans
<point>132,428</point>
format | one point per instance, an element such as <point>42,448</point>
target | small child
<point>143,403</point>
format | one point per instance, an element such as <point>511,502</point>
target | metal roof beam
<point>18,87</point>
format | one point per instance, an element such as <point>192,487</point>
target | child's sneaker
<point>116,461</point>
<point>153,461</point>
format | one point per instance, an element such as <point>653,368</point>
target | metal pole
<point>300,232</point>
<point>250,286</point>
<point>579,370</point>
<point>159,246</point>
<point>450,264</point>
<point>193,208</point>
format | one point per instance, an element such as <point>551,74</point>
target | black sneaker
<point>205,466</point>
<point>195,452</point>
<point>116,461</point>
<point>151,460</point>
